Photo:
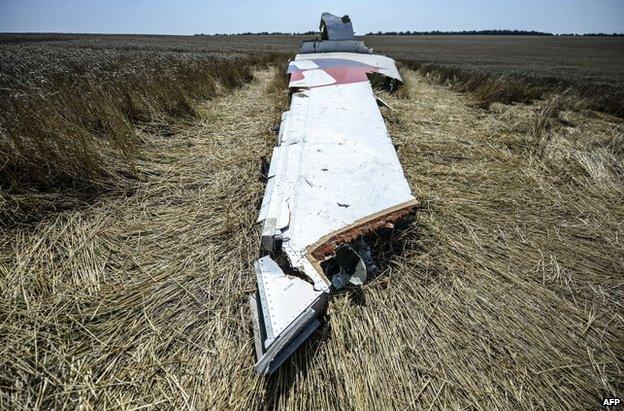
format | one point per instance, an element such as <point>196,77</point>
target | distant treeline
<point>486,33</point>
<point>432,33</point>
<point>264,33</point>
<point>593,34</point>
<point>461,33</point>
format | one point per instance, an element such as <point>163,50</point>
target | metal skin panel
<point>283,298</point>
<point>347,166</point>
<point>325,46</point>
<point>333,169</point>
<point>343,67</point>
<point>336,28</point>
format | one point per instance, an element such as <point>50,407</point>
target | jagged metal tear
<point>351,268</point>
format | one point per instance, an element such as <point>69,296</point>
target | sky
<point>234,16</point>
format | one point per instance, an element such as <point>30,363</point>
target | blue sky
<point>227,16</point>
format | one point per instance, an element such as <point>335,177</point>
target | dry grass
<point>138,300</point>
<point>490,87</point>
<point>525,251</point>
<point>518,68</point>
<point>487,88</point>
<point>506,294</point>
<point>68,114</point>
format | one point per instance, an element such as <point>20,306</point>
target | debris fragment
<point>349,268</point>
<point>332,146</point>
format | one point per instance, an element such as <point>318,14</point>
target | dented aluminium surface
<point>334,176</point>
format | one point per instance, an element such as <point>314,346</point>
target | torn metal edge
<point>326,246</point>
<point>289,340</point>
<point>269,360</point>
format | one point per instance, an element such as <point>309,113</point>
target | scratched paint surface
<point>342,71</point>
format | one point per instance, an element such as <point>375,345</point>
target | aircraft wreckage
<point>334,178</point>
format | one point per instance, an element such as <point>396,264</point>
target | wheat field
<point>506,292</point>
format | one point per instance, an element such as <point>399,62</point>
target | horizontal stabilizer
<point>334,187</point>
